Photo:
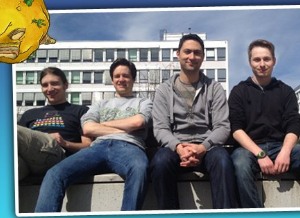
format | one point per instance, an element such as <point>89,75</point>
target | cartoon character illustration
<point>24,26</point>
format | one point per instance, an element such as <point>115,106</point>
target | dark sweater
<point>265,115</point>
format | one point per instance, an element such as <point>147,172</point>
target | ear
<point>177,53</point>
<point>66,86</point>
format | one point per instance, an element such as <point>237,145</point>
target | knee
<point>163,161</point>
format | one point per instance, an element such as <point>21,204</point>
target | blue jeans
<point>120,157</point>
<point>247,167</point>
<point>165,166</point>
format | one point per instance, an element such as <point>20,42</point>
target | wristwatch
<point>262,154</point>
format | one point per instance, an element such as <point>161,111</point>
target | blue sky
<point>238,25</point>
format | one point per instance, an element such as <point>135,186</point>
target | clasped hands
<point>190,154</point>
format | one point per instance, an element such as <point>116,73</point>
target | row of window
<point>80,98</point>
<point>97,77</point>
<point>109,55</point>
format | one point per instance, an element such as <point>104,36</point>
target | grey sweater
<point>206,123</point>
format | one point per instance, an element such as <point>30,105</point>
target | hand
<point>190,154</point>
<point>282,162</point>
<point>59,139</point>
<point>266,166</point>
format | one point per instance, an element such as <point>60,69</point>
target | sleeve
<point>146,106</point>
<point>92,115</point>
<point>291,116</point>
<point>236,110</point>
<point>161,120</point>
<point>219,117</point>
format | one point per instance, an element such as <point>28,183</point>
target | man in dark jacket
<point>265,123</point>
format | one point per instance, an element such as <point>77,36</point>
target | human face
<point>123,81</point>
<point>262,62</point>
<point>190,56</point>
<point>54,89</point>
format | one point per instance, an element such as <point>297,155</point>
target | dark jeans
<point>246,167</point>
<point>164,169</point>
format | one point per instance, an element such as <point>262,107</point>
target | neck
<point>261,81</point>
<point>189,78</point>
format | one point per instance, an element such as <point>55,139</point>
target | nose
<point>192,55</point>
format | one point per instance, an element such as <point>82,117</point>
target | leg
<point>86,162</point>
<point>295,159</point>
<point>131,163</point>
<point>38,151</point>
<point>164,169</point>
<point>246,168</point>
<point>221,172</point>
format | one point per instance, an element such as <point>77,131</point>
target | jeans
<point>165,166</point>
<point>120,157</point>
<point>247,167</point>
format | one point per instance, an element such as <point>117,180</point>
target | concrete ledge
<point>104,193</point>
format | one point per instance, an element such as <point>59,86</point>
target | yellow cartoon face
<point>24,26</point>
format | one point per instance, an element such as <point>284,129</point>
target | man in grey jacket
<point>190,119</point>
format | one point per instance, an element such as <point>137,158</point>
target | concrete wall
<point>104,193</point>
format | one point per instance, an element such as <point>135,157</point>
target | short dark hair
<point>261,43</point>
<point>54,71</point>
<point>191,36</point>
<point>123,62</point>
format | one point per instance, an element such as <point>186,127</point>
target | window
<point>40,99</point>
<point>165,75</point>
<point>132,54</point>
<point>86,77</point>
<point>175,54</point>
<point>98,77</point>
<point>29,99</point>
<point>30,77</point>
<point>143,54</point>
<point>87,55</point>
<point>31,58</point>
<point>210,54</point>
<point>19,99</point>
<point>166,54</point>
<point>98,55</point>
<point>64,55</point>
<point>75,98</point>
<point>222,75</point>
<point>19,78</point>
<point>75,77</point>
<point>41,56</point>
<point>75,55</point>
<point>210,73</point>
<point>154,54</point>
<point>221,54</point>
<point>143,76</point>
<point>53,55</point>
<point>110,55</point>
<point>86,98</point>
<point>121,53</point>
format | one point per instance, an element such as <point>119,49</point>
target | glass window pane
<point>154,54</point>
<point>143,76</point>
<point>175,54</point>
<point>29,99</point>
<point>110,55</point>
<point>98,77</point>
<point>53,55</point>
<point>41,55</point>
<point>75,98</point>
<point>75,75</point>
<point>165,75</point>
<point>165,54</point>
<point>64,55</point>
<point>210,73</point>
<point>76,55</point>
<point>86,77</point>
<point>19,99</point>
<point>30,77</point>
<point>222,75</point>
<point>210,54</point>
<point>19,78</point>
<point>87,55</point>
<point>121,53</point>
<point>40,99</point>
<point>221,53</point>
<point>86,98</point>
<point>143,54</point>
<point>98,53</point>
<point>132,54</point>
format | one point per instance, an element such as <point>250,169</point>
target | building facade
<point>297,91</point>
<point>86,65</point>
